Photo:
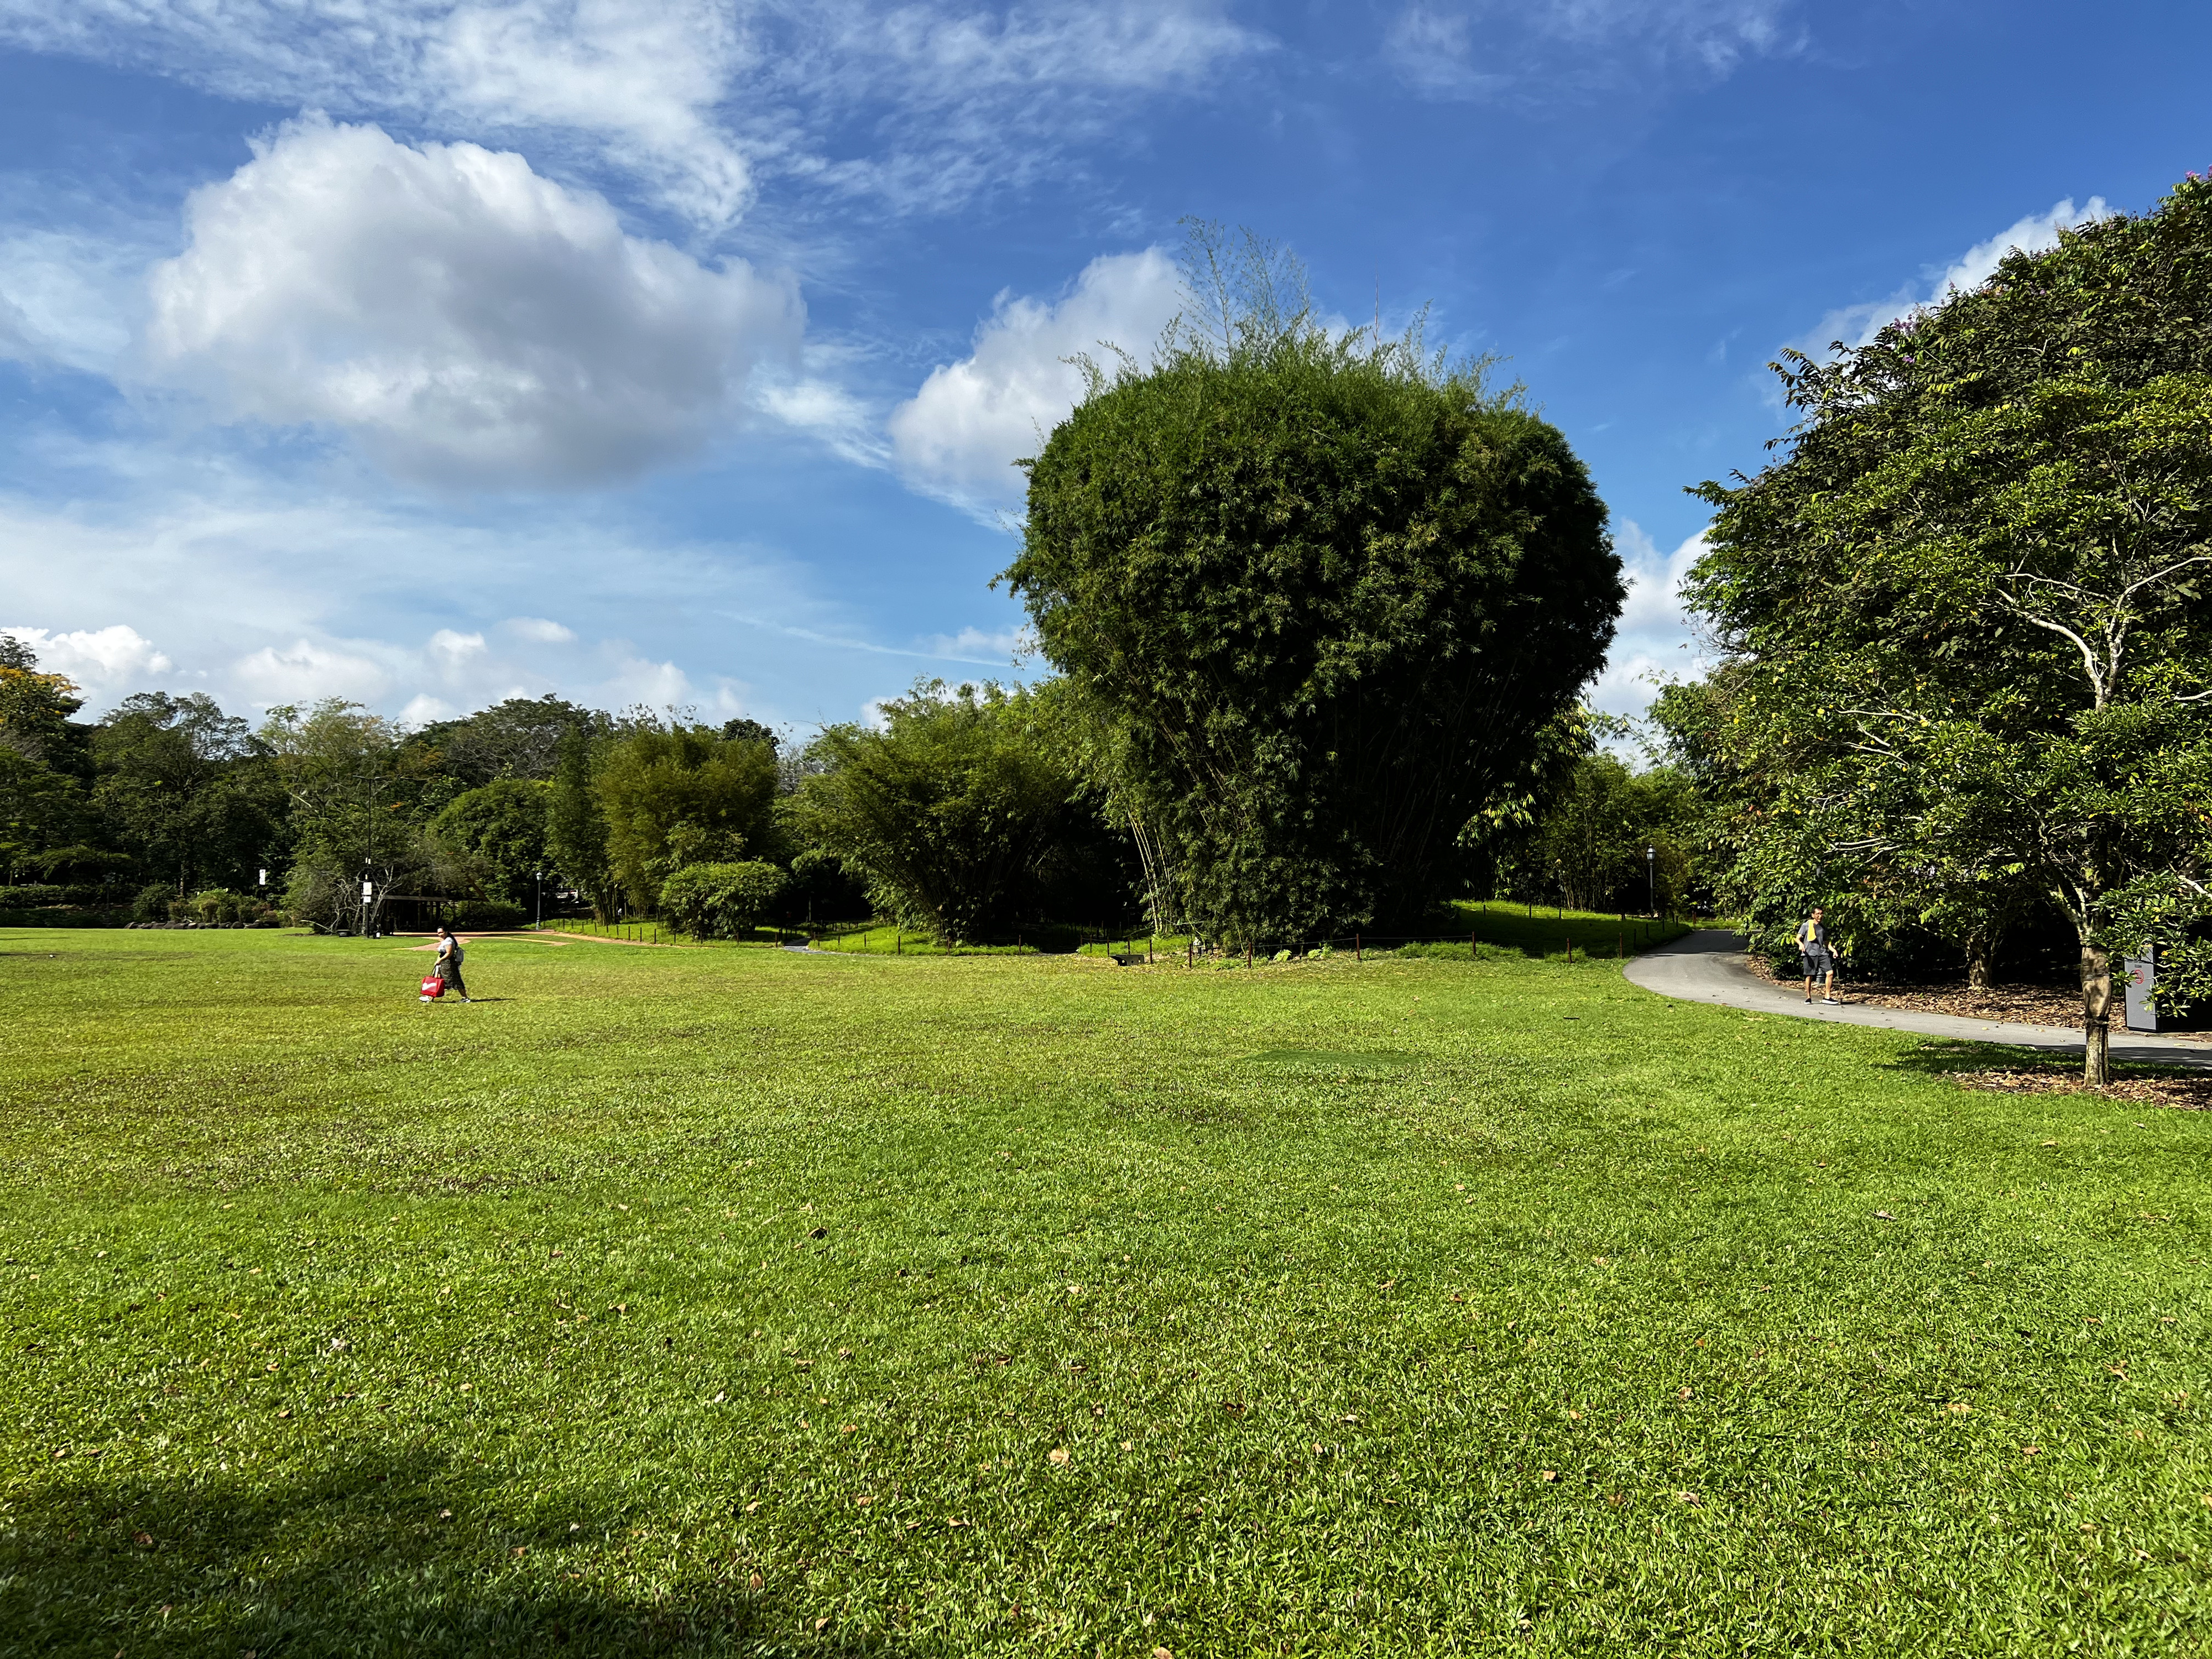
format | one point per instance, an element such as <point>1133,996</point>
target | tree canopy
<point>1967,615</point>
<point>1324,592</point>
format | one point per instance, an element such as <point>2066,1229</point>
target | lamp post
<point>1651,876</point>
<point>539,878</point>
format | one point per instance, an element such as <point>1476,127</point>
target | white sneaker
<point>1831,1001</point>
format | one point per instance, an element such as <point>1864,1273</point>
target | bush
<point>40,894</point>
<point>152,904</point>
<point>720,901</point>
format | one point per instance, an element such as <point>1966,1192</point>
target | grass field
<point>736,1301</point>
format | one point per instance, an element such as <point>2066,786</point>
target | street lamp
<point>1652,875</point>
<point>540,880</point>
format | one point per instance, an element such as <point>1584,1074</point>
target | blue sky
<point>675,353</point>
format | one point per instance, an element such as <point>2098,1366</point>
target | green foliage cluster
<point>720,900</point>
<point>956,812</point>
<point>1321,594</point>
<point>1609,838</point>
<point>1968,618</point>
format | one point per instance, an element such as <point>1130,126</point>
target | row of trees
<point>1966,620</point>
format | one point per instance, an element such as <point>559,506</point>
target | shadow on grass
<point>1997,1068</point>
<point>391,1555</point>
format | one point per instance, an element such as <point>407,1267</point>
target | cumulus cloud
<point>1480,49</point>
<point>306,671</point>
<point>469,321</point>
<point>958,437</point>
<point>1656,639</point>
<point>1857,325</point>
<point>99,660</point>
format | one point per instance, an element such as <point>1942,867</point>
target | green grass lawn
<point>749,1301</point>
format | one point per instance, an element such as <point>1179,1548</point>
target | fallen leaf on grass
<point>753,1582</point>
<point>753,1507</point>
<point>1549,1475</point>
<point>1057,1454</point>
<point>1883,1215</point>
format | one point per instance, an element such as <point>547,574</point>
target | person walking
<point>448,967</point>
<point>1820,960</point>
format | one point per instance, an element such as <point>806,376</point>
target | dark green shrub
<point>720,901</point>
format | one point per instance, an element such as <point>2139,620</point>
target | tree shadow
<point>1949,1057</point>
<point>406,1553</point>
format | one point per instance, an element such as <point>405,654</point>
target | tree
<point>501,827</point>
<point>678,794</point>
<point>575,827</point>
<point>1324,592</point>
<point>1968,614</point>
<point>187,791</point>
<point>45,816</point>
<point>1589,845</point>
<point>721,901</point>
<point>520,737</point>
<point>360,804</point>
<point>954,813</point>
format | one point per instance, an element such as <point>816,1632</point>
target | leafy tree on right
<point>1967,617</point>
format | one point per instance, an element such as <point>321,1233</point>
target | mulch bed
<point>2184,1093</point>
<point>2014,1005</point>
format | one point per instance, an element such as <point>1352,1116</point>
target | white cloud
<point>102,661</point>
<point>68,297</point>
<point>305,672</point>
<point>1654,579</point>
<point>958,437</point>
<point>424,709</point>
<point>976,645</point>
<point>539,630</point>
<point>1857,325</point>
<point>454,650</point>
<point>640,680</point>
<point>697,97</point>
<point>1479,49</point>
<point>471,323</point>
<point>640,81</point>
<point>1655,638</point>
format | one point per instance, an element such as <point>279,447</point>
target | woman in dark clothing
<point>448,968</point>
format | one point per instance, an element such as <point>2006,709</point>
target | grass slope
<point>749,1301</point>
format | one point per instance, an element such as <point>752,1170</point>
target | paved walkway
<point>1708,966</point>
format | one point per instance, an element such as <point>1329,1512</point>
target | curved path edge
<point>1708,966</point>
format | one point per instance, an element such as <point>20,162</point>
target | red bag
<point>433,988</point>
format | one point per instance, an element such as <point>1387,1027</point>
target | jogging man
<point>448,967</point>
<point>1820,961</point>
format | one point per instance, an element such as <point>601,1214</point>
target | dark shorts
<point>1819,964</point>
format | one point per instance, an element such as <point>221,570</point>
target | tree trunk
<point>1981,959</point>
<point>2096,1015</point>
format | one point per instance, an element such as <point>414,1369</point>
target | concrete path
<point>1708,966</point>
